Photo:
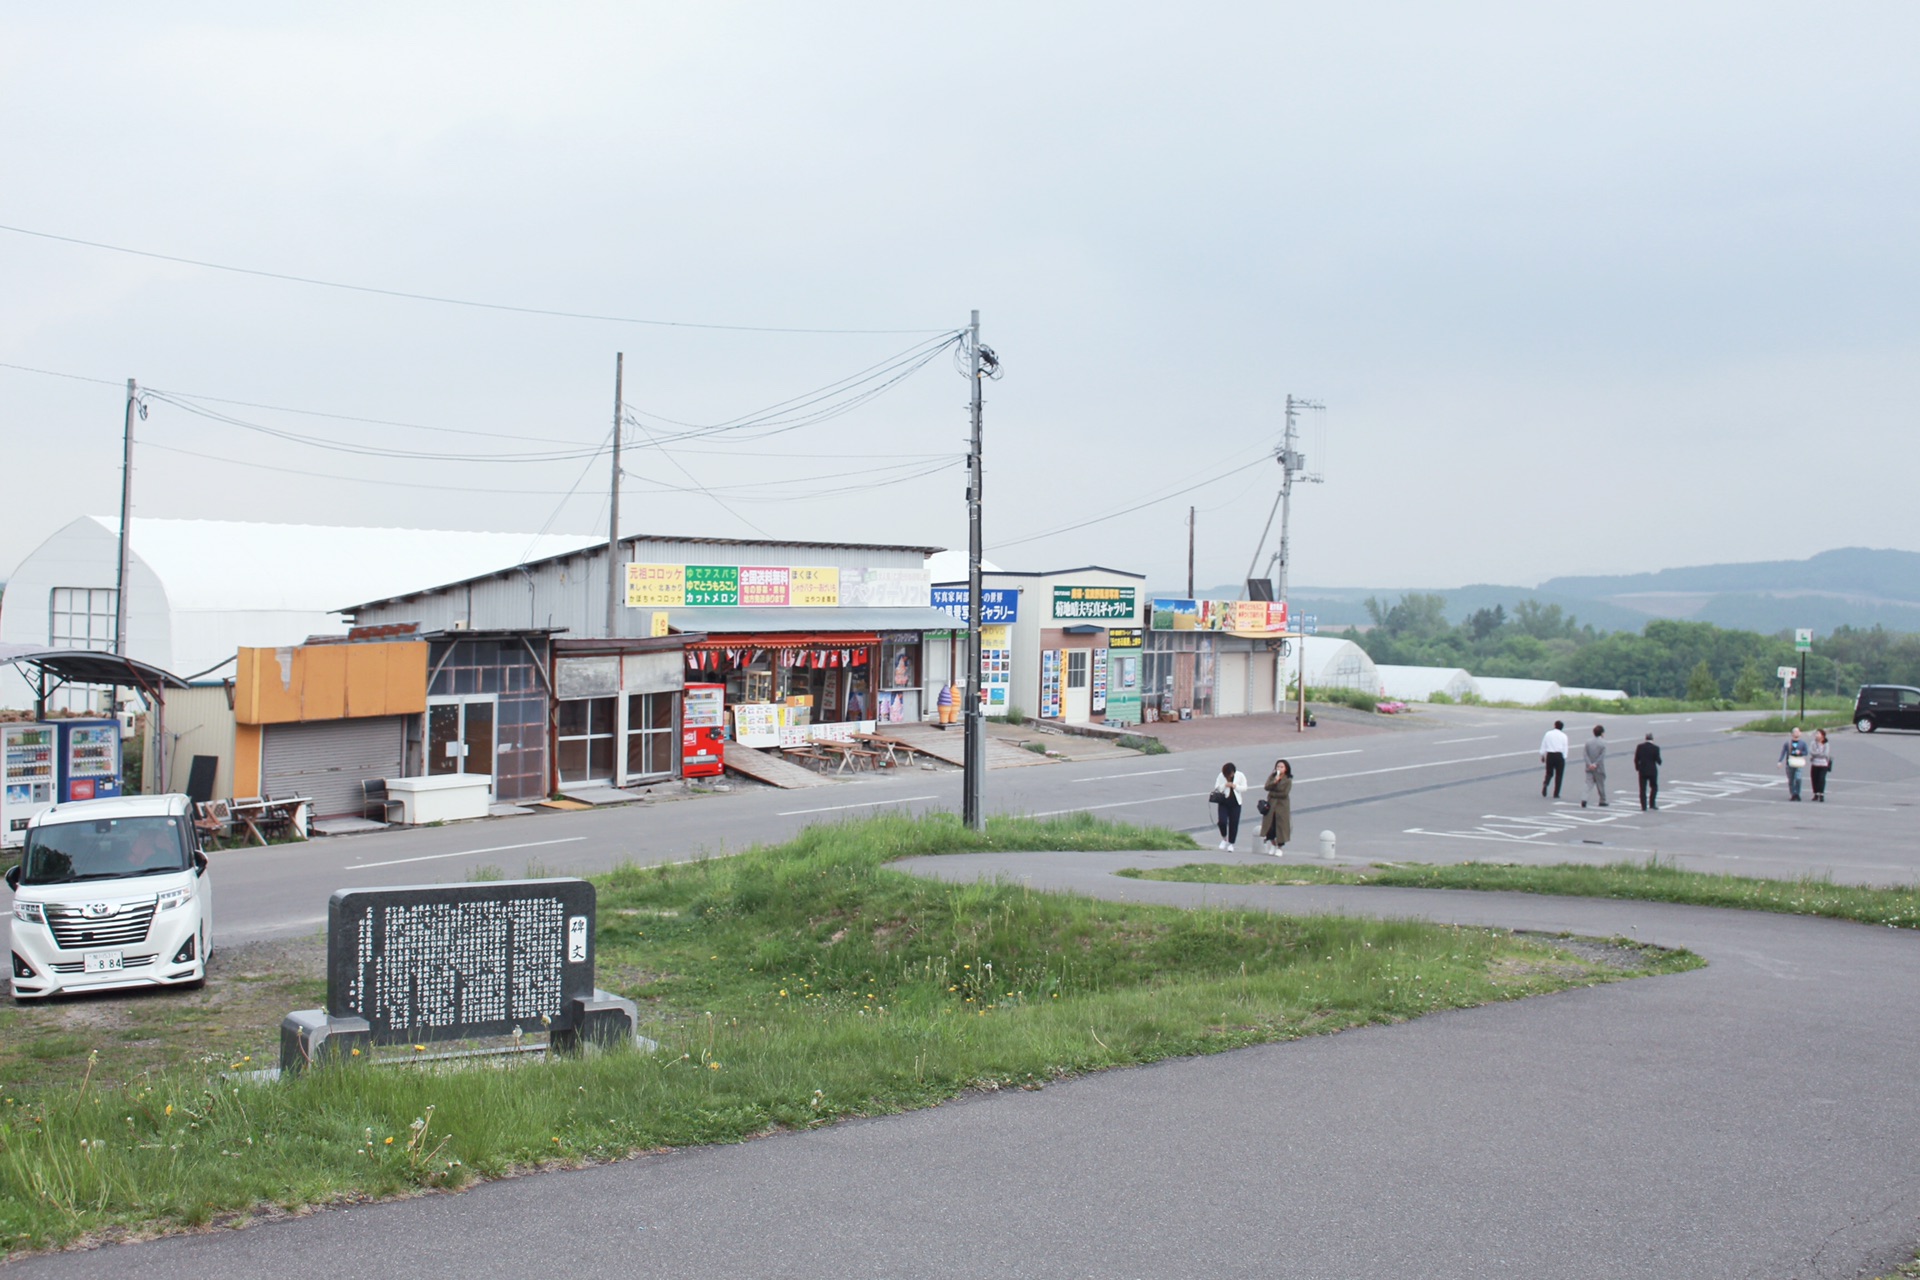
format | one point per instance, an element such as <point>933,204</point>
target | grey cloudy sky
<point>1590,288</point>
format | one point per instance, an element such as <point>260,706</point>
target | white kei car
<point>108,894</point>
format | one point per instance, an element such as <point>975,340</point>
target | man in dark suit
<point>1646,763</point>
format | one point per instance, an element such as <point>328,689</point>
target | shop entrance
<point>1077,703</point>
<point>460,736</point>
<point>586,739</point>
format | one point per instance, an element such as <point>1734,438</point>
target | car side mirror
<point>199,863</point>
<point>13,876</point>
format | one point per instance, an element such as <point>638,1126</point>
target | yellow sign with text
<point>656,586</point>
<point>814,586</point>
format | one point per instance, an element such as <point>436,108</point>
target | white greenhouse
<point>1598,695</point>
<point>199,589</point>
<point>1527,693</point>
<point>1332,663</point>
<point>1419,684</point>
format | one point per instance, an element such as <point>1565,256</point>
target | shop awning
<point>786,640</point>
<point>724,625</point>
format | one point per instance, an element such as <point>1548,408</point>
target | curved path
<point>1757,1118</point>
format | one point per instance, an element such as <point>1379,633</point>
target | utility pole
<point>1189,553</point>
<point>126,522</point>
<point>972,810</point>
<point>616,589</point>
<point>1293,464</point>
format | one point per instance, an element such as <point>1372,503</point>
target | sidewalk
<point>1228,732</point>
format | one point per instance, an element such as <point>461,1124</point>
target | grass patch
<point>1649,881</point>
<point>1809,722</point>
<point>788,986</point>
<point>1145,746</point>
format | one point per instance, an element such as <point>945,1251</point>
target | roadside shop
<point>1215,658</point>
<point>1062,645</point>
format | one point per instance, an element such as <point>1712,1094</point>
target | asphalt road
<point>1752,1119</point>
<point>1452,784</point>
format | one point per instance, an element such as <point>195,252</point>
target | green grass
<point>1145,746</point>
<point>1783,724</point>
<point>788,987</point>
<point>1650,881</point>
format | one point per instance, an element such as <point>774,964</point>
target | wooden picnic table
<point>850,755</point>
<point>886,748</point>
<point>256,812</point>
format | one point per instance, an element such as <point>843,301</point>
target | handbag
<point>1265,808</point>
<point>1216,796</point>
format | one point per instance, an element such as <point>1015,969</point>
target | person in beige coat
<point>1276,828</point>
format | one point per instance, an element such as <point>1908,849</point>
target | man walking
<point>1553,754</point>
<point>1646,763</point>
<point>1596,757</point>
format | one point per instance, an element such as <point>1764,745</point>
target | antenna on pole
<point>1293,466</point>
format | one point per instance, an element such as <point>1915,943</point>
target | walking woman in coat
<point>1277,827</point>
<point>1229,787</point>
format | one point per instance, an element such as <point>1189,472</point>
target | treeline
<point>1666,659</point>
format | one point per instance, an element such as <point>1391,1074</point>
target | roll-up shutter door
<point>327,761</point>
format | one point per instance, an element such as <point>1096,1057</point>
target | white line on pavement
<point>1448,742</point>
<point>864,804</point>
<point>1744,835</point>
<point>464,853</point>
<point>1144,773</point>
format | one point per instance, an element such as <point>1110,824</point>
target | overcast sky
<point>1585,289</point>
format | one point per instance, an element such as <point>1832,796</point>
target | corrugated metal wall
<point>572,592</point>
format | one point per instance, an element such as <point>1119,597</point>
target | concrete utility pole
<point>1189,553</point>
<point>126,523</point>
<point>616,589</point>
<point>1293,464</point>
<point>972,810</point>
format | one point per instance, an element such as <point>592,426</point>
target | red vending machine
<point>702,725</point>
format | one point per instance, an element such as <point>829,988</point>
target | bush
<point>1145,746</point>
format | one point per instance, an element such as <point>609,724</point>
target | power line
<point>1115,515</point>
<point>320,475</point>
<point>437,298</point>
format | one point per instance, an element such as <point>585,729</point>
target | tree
<point>1701,686</point>
<point>1751,684</point>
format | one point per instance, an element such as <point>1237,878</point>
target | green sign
<point>1092,604</point>
<point>1803,639</point>
<point>709,584</point>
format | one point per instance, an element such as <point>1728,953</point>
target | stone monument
<point>441,962</point>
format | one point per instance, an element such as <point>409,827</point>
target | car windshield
<point>104,849</point>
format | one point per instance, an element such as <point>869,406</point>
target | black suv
<point>1886,706</point>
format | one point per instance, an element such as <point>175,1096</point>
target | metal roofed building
<point>198,590</point>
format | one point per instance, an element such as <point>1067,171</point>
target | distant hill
<point>1853,586</point>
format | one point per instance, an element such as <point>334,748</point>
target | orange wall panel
<point>330,682</point>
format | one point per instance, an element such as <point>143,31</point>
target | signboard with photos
<point>704,586</point>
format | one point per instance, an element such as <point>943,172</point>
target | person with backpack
<point>1795,756</point>
<point>1228,788</point>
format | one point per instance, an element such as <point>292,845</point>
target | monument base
<point>308,1037</point>
<point>601,1018</point>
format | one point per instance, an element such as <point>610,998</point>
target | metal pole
<point>126,522</point>
<point>1803,686</point>
<point>971,811</point>
<point>1190,553</point>
<point>1286,503</point>
<point>616,595</point>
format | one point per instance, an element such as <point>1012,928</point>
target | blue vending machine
<point>89,759</point>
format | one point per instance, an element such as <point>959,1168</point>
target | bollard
<point>1326,845</point>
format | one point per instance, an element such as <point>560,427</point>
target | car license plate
<point>103,961</point>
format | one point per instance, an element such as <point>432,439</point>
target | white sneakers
<point>1226,847</point>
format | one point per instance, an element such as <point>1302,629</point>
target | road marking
<point>864,804</point>
<point>1448,742</point>
<point>1144,773</point>
<point>1332,777</point>
<point>1666,722</point>
<point>1321,755</point>
<point>464,853</point>
<point>1744,835</point>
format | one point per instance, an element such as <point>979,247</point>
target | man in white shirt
<point>1553,753</point>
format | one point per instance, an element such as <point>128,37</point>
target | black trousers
<point>1556,773</point>
<point>1229,820</point>
<point>1650,788</point>
<point>1819,773</point>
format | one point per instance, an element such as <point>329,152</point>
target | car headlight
<point>174,898</point>
<point>28,912</point>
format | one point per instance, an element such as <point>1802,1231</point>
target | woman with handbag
<point>1228,787</point>
<point>1276,827</point>
<point>1819,762</point>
